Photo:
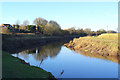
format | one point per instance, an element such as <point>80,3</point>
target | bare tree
<point>54,24</point>
<point>18,24</point>
<point>87,31</point>
<point>52,28</point>
<point>71,30</point>
<point>25,23</point>
<point>40,23</point>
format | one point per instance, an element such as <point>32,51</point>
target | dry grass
<point>112,36</point>
<point>105,44</point>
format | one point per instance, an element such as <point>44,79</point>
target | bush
<point>31,28</point>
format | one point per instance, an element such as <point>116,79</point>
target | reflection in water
<point>50,50</point>
<point>65,63</point>
<point>62,72</point>
<point>111,58</point>
<point>41,61</point>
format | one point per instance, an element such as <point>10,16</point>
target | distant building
<point>7,26</point>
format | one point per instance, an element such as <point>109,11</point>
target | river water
<point>65,63</point>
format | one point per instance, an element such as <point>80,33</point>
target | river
<point>65,63</point>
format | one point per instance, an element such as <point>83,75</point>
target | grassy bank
<point>15,68</point>
<point>105,45</point>
<point>25,36</point>
<point>15,42</point>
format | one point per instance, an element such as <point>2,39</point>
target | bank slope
<point>105,45</point>
<point>14,68</point>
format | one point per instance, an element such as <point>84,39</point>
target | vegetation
<point>15,68</point>
<point>51,28</point>
<point>105,44</point>
<point>25,23</point>
<point>40,24</point>
<point>44,31</point>
<point>109,36</point>
<point>31,28</point>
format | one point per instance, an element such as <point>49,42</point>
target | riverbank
<point>16,68</point>
<point>104,45</point>
<point>14,42</point>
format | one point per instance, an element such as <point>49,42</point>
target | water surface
<point>65,63</point>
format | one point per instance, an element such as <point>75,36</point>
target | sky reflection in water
<point>65,63</point>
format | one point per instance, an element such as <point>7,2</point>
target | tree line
<point>52,28</point>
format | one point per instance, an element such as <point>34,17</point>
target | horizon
<point>93,15</point>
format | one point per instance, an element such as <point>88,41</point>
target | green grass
<point>13,68</point>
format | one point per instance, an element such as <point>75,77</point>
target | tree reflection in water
<point>69,62</point>
<point>52,49</point>
<point>49,50</point>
